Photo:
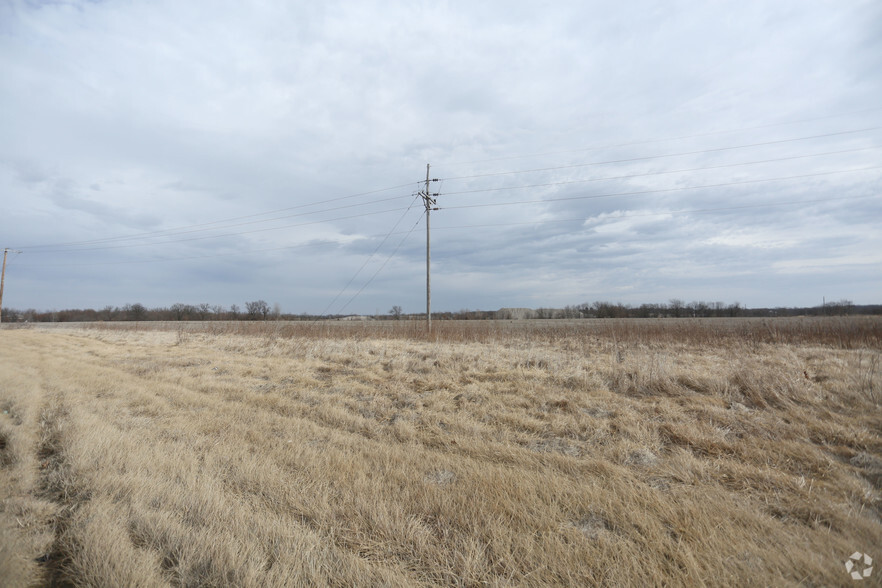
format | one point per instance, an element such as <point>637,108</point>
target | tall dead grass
<point>497,454</point>
<point>840,332</point>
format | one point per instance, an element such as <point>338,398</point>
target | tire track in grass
<point>56,485</point>
<point>53,486</point>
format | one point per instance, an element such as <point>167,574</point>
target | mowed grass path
<point>137,458</point>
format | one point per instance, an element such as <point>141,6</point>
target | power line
<point>376,273</point>
<point>456,227</point>
<point>119,239</point>
<point>191,257</point>
<point>171,242</point>
<point>649,157</point>
<point>176,232</point>
<point>666,213</point>
<point>371,256</point>
<point>186,228</point>
<point>660,190</point>
<point>474,205</point>
<point>658,173</point>
<point>664,140</point>
<point>202,227</point>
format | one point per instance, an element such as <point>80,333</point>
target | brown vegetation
<point>658,452</point>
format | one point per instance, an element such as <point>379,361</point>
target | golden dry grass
<point>489,455</point>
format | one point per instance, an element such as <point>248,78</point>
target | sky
<point>223,152</point>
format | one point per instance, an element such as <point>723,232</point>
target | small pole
<point>3,278</point>
<point>2,281</point>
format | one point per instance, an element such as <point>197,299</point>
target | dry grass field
<point>614,453</point>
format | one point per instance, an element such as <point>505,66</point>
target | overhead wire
<point>312,243</point>
<point>210,226</point>
<point>665,139</point>
<point>478,205</point>
<point>548,184</point>
<point>191,257</point>
<point>379,269</point>
<point>213,225</point>
<point>665,213</point>
<point>659,190</point>
<point>658,173</point>
<point>474,226</point>
<point>190,239</point>
<point>187,228</point>
<point>120,239</point>
<point>649,157</point>
<point>366,261</point>
<point>468,226</point>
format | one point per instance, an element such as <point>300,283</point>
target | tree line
<point>253,310</point>
<point>676,308</point>
<point>260,310</point>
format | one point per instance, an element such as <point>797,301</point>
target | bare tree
<point>135,312</point>
<point>843,306</point>
<point>395,312</point>
<point>204,309</point>
<point>179,311</point>
<point>257,309</point>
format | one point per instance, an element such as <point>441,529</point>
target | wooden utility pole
<point>3,278</point>
<point>429,202</point>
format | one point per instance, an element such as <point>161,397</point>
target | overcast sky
<point>222,152</point>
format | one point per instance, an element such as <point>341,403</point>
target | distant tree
<point>571,312</point>
<point>234,311</point>
<point>675,305</point>
<point>257,309</point>
<point>218,311</point>
<point>178,311</point>
<point>277,311</point>
<point>607,309</point>
<point>204,309</point>
<point>699,308</point>
<point>840,307</point>
<point>135,312</point>
<point>395,312</point>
